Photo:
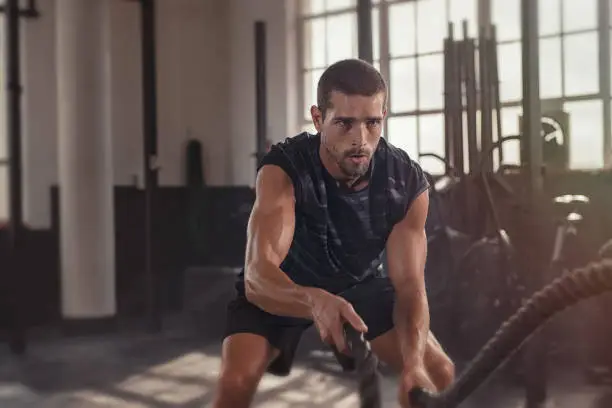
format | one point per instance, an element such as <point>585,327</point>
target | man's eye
<point>373,123</point>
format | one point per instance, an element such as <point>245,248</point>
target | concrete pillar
<point>85,160</point>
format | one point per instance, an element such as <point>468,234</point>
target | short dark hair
<point>351,77</point>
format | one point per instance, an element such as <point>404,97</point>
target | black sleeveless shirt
<point>340,234</point>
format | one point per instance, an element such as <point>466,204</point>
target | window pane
<point>464,10</point>
<point>506,15</point>
<point>586,134</point>
<point>432,25</point>
<point>550,16</point>
<point>510,74</point>
<point>431,82</point>
<point>579,14</point>
<point>314,43</point>
<point>403,134</point>
<point>375,33</point>
<point>4,194</point>
<point>313,6</point>
<point>431,140</point>
<point>311,80</point>
<point>403,85</point>
<point>332,5</point>
<point>341,37</point>
<point>581,64</point>
<point>510,127</point>
<point>550,68</point>
<point>402,33</point>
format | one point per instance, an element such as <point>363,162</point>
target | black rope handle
<point>366,366</point>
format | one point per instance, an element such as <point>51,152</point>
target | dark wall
<point>206,226</point>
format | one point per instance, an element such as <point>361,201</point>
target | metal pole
<point>604,77</point>
<point>385,63</point>
<point>495,84</point>
<point>364,30</point>
<point>260,90</point>
<point>469,50</point>
<point>532,116</point>
<point>449,123</point>
<point>149,92</point>
<point>486,125</point>
<point>536,375</point>
<point>15,227</point>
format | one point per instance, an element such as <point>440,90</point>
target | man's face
<point>351,130</point>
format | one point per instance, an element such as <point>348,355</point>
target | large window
<point>329,34</point>
<point>413,38</point>
<point>417,30</point>
<point>569,73</point>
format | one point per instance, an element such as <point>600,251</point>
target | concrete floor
<point>171,370</point>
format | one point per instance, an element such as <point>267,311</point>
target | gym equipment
<point>260,91</point>
<point>15,227</point>
<point>366,366</point>
<point>606,250</point>
<point>566,291</point>
<point>471,95</point>
<point>149,104</point>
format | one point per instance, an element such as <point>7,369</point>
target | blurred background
<point>129,136</point>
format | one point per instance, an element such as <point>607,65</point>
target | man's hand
<point>329,313</point>
<point>414,377</point>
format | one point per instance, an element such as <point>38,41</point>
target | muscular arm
<point>269,236</point>
<point>406,255</point>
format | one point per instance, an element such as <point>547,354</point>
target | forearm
<point>411,314</point>
<point>269,288</point>
<point>411,317</point>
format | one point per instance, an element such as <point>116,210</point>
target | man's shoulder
<point>394,156</point>
<point>294,156</point>
<point>298,143</point>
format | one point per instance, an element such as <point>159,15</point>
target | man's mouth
<point>358,158</point>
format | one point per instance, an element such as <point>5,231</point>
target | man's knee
<point>245,358</point>
<point>239,381</point>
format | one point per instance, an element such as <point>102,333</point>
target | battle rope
<point>565,291</point>
<point>366,366</point>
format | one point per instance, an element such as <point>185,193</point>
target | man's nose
<point>361,133</point>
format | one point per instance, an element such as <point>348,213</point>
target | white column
<point>85,159</point>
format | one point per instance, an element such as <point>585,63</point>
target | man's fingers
<point>350,315</point>
<point>338,338</point>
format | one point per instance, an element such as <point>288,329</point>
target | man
<point>327,207</point>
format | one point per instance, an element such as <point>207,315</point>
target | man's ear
<point>317,117</point>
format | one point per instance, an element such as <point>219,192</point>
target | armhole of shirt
<point>278,157</point>
<point>415,181</point>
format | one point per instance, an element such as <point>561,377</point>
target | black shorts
<point>373,300</point>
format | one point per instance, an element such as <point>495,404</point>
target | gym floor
<point>171,370</point>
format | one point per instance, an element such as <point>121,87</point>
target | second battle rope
<point>565,291</point>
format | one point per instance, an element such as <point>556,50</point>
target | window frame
<point>484,16</point>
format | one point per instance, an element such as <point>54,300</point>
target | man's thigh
<point>282,333</point>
